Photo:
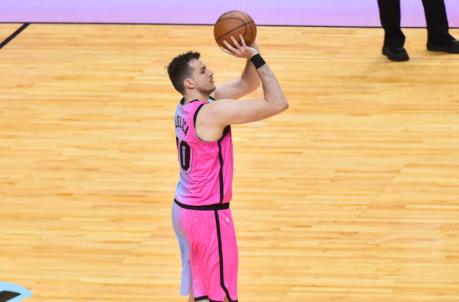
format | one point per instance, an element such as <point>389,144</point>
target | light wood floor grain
<point>7,29</point>
<point>350,195</point>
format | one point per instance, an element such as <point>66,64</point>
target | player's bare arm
<point>214,117</point>
<point>246,83</point>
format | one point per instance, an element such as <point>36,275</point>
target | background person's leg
<point>437,20</point>
<point>394,39</point>
<point>438,37</point>
<point>389,13</point>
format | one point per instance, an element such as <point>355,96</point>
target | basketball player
<point>201,216</point>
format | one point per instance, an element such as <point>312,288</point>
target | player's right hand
<point>239,50</point>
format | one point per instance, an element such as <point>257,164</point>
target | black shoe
<point>448,46</point>
<point>397,54</point>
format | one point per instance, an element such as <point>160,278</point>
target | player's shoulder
<point>219,112</point>
<point>214,106</point>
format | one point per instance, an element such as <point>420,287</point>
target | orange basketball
<point>235,23</point>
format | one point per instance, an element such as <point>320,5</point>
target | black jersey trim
<point>206,298</point>
<point>225,132</point>
<point>220,159</point>
<point>209,207</point>
<point>220,174</point>
<point>196,116</point>
<point>220,256</point>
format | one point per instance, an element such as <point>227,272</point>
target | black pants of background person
<point>437,22</point>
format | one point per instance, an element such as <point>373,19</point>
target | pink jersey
<point>206,168</point>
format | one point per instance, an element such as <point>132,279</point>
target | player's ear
<point>189,83</point>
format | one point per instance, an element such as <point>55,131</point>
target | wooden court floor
<point>350,195</point>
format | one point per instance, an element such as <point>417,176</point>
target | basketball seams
<point>246,17</point>
<point>229,18</point>
<point>254,31</point>
<point>236,28</point>
<point>222,23</point>
<point>227,26</point>
<point>238,19</point>
<point>248,31</point>
<point>235,14</point>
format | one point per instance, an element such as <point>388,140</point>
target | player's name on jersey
<point>181,123</point>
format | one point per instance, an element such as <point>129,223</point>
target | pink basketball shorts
<point>208,247</point>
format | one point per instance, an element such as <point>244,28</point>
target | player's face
<point>203,77</point>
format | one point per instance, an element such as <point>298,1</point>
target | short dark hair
<point>179,69</point>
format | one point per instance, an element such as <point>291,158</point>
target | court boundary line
<point>14,35</point>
